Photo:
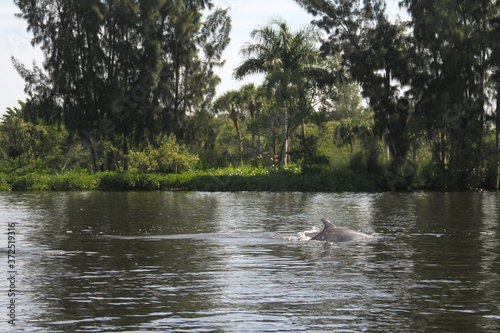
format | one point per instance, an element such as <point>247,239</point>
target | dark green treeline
<point>432,80</point>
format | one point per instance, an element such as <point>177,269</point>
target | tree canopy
<point>425,79</point>
<point>124,70</point>
<point>415,102</point>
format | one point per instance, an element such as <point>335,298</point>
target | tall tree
<point>494,44</point>
<point>191,80</point>
<point>376,54</point>
<point>113,66</point>
<point>450,81</point>
<point>289,60</point>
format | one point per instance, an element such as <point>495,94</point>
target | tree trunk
<point>275,150</point>
<point>234,117</point>
<point>497,125</point>
<point>125,153</point>
<point>285,145</point>
<point>443,149</point>
<point>387,150</point>
<point>259,140</point>
<point>175,168</point>
<point>93,156</point>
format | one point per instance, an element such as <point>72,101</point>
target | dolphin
<point>332,233</point>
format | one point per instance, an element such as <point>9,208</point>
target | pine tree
<point>450,83</point>
<point>124,71</point>
<point>376,54</point>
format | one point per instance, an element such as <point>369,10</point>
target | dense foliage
<point>227,179</point>
<point>352,102</point>
<point>430,81</point>
<point>123,72</point>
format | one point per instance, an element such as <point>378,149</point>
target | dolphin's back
<point>331,233</point>
<point>322,235</point>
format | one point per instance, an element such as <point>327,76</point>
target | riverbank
<point>228,179</point>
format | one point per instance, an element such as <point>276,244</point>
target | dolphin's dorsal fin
<point>328,224</point>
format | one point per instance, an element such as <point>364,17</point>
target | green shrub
<point>161,159</point>
<point>114,181</point>
<point>5,182</point>
<point>71,181</point>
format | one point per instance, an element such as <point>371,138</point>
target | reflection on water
<point>235,262</point>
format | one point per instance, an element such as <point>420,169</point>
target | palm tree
<point>290,61</point>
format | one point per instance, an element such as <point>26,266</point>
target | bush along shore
<point>228,179</point>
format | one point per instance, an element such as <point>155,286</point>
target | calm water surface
<point>238,262</point>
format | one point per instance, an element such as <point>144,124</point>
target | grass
<point>243,178</point>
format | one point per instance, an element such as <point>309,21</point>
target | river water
<point>239,262</point>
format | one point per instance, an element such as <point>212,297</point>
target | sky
<point>246,16</point>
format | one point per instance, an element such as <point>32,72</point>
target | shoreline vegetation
<point>225,180</point>
<point>229,179</point>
